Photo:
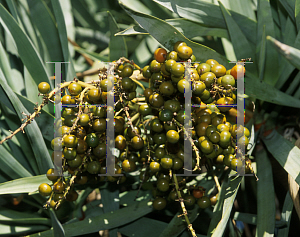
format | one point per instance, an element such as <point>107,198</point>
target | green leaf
<point>265,25</point>
<point>104,222</point>
<point>44,22</point>
<point>143,227</point>
<point>45,119</point>
<point>177,225</point>
<point>69,22</point>
<point>289,8</point>
<point>31,88</point>
<point>224,205</point>
<point>4,63</point>
<point>245,217</point>
<point>9,216</point>
<point>62,32</point>
<point>32,131</point>
<point>262,55</point>
<point>263,91</point>
<point>191,29</point>
<point>188,28</point>
<point>133,30</point>
<point>137,6</point>
<point>285,153</point>
<point>297,13</point>
<point>20,230</point>
<point>23,185</point>
<point>58,229</point>
<point>10,166</point>
<point>210,15</point>
<point>286,215</point>
<point>294,84</point>
<point>19,139</point>
<point>290,53</point>
<point>26,50</point>
<point>27,26</point>
<point>117,45</point>
<point>238,39</point>
<point>286,68</point>
<point>243,7</point>
<point>167,35</point>
<point>92,55</point>
<point>265,196</point>
<point>110,200</point>
<point>143,54</point>
<point>15,147</point>
<point>83,16</point>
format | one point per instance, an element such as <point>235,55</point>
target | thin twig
<point>184,211</point>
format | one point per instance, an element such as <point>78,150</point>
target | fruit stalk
<point>189,225</point>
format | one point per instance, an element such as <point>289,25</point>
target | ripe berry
<point>44,87</point>
<point>59,187</point>
<point>128,166</point>
<point>166,162</point>
<point>70,141</point>
<point>74,89</point>
<point>172,136</point>
<point>154,166</point>
<point>178,44</point>
<point>184,52</point>
<point>237,69</point>
<point>67,99</point>
<point>51,175</point>
<point>160,55</point>
<point>198,193</point>
<point>45,189</point>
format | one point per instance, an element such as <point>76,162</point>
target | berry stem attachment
<point>184,211</point>
<point>131,62</point>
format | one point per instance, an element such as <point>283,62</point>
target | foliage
<point>34,33</point>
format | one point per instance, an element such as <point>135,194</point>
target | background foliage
<point>33,33</point>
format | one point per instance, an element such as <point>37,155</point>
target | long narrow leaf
<point>10,166</point>
<point>32,131</point>
<point>9,216</point>
<point>290,53</point>
<point>177,226</point>
<point>263,91</point>
<point>209,14</point>
<point>289,8</point>
<point>62,32</point>
<point>265,202</point>
<point>188,28</point>
<point>224,205</point>
<point>117,45</point>
<point>23,185</point>
<point>286,215</point>
<point>26,50</point>
<point>44,21</point>
<point>265,24</point>
<point>241,46</point>
<point>58,229</point>
<point>111,202</point>
<point>285,153</point>
<point>106,221</point>
<point>167,35</point>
